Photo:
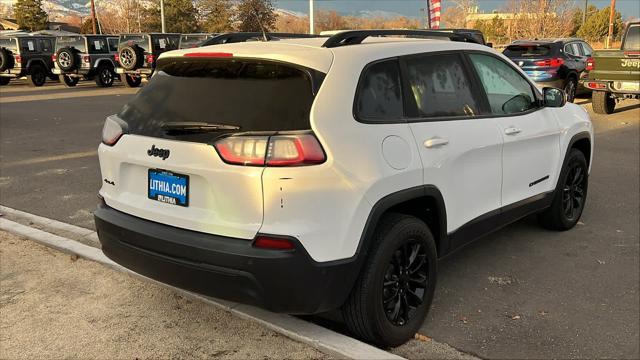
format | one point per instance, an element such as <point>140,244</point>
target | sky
<point>628,8</point>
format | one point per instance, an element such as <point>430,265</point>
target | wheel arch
<point>103,61</point>
<point>33,62</point>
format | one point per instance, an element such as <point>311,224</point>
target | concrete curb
<point>325,340</point>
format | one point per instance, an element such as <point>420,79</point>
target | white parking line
<point>320,338</point>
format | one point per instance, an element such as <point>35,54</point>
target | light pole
<point>162,15</point>
<point>611,18</point>
<point>584,13</point>
<point>311,24</point>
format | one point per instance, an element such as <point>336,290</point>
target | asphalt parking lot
<point>522,292</point>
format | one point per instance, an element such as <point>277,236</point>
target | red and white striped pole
<point>434,14</point>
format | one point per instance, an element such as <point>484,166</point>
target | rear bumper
<point>13,73</point>
<point>140,72</point>
<point>77,72</point>
<point>612,86</point>
<point>227,268</point>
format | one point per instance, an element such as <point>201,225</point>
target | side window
<point>45,45</point>
<point>113,44</point>
<point>440,86</point>
<point>97,46</point>
<point>28,45</point>
<point>577,49</point>
<point>379,96</point>
<point>507,91</point>
<point>586,49</point>
<point>569,50</point>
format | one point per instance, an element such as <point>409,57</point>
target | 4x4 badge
<point>161,153</point>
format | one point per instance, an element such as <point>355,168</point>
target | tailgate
<point>222,199</point>
<point>615,65</point>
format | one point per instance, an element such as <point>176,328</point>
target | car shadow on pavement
<point>628,107</point>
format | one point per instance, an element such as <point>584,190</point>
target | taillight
<point>273,243</point>
<point>277,150</point>
<point>555,62</point>
<point>116,58</point>
<point>54,57</point>
<point>150,58</point>
<point>112,130</point>
<point>590,64</point>
<point>632,53</point>
<point>18,59</point>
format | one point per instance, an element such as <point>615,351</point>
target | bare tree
<point>456,16</point>
<point>540,18</point>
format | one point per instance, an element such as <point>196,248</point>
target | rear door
<point>460,149</point>
<point>530,133</point>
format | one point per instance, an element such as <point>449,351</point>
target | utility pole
<point>311,24</point>
<point>612,15</point>
<point>93,16</point>
<point>161,15</point>
<point>584,13</point>
<point>427,11</point>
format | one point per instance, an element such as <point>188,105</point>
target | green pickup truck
<point>615,74</point>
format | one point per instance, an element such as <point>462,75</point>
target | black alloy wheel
<point>405,282</point>
<point>570,89</point>
<point>105,76</point>
<point>573,192</point>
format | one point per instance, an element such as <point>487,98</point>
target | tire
<point>105,76</point>
<point>4,81</point>
<point>6,59</point>
<point>570,88</point>
<point>381,281</point>
<point>132,81</point>
<point>572,187</point>
<point>37,75</point>
<point>602,102</point>
<point>67,59</point>
<point>69,81</point>
<point>131,57</point>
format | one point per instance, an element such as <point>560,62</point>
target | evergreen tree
<point>216,15</point>
<point>254,15</point>
<point>596,27</point>
<point>30,15</point>
<point>180,16</point>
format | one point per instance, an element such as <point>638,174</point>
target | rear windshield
<point>163,43</point>
<point>10,44</point>
<point>71,41</point>
<point>130,40</point>
<point>252,95</point>
<point>191,41</point>
<point>532,50</point>
<point>632,39</point>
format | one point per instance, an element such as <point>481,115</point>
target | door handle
<point>435,142</point>
<point>512,131</point>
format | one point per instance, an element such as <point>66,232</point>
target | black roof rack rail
<point>234,37</point>
<point>352,37</point>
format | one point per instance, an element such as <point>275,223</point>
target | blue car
<point>559,63</point>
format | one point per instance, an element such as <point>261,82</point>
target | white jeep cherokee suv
<point>331,173</point>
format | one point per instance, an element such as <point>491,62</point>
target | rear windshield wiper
<point>197,127</point>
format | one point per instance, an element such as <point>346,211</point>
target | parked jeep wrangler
<point>615,74</point>
<point>137,54</point>
<point>25,55</point>
<point>85,56</point>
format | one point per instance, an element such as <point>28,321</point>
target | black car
<point>26,55</point>
<point>559,63</point>
<point>137,54</point>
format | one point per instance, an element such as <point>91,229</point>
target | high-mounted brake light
<point>590,64</point>
<point>555,62</point>
<point>209,54</point>
<point>273,243</point>
<point>112,130</point>
<point>277,150</point>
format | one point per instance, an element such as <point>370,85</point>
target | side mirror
<point>554,97</point>
<point>490,44</point>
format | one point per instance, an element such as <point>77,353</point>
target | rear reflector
<point>595,85</point>
<point>272,243</point>
<point>277,150</point>
<point>209,54</point>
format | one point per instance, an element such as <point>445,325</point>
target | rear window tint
<point>527,50</point>
<point>255,96</point>
<point>191,41</point>
<point>10,44</point>
<point>632,39</point>
<point>130,40</point>
<point>76,42</point>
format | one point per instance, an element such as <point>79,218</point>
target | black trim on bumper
<point>227,268</point>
